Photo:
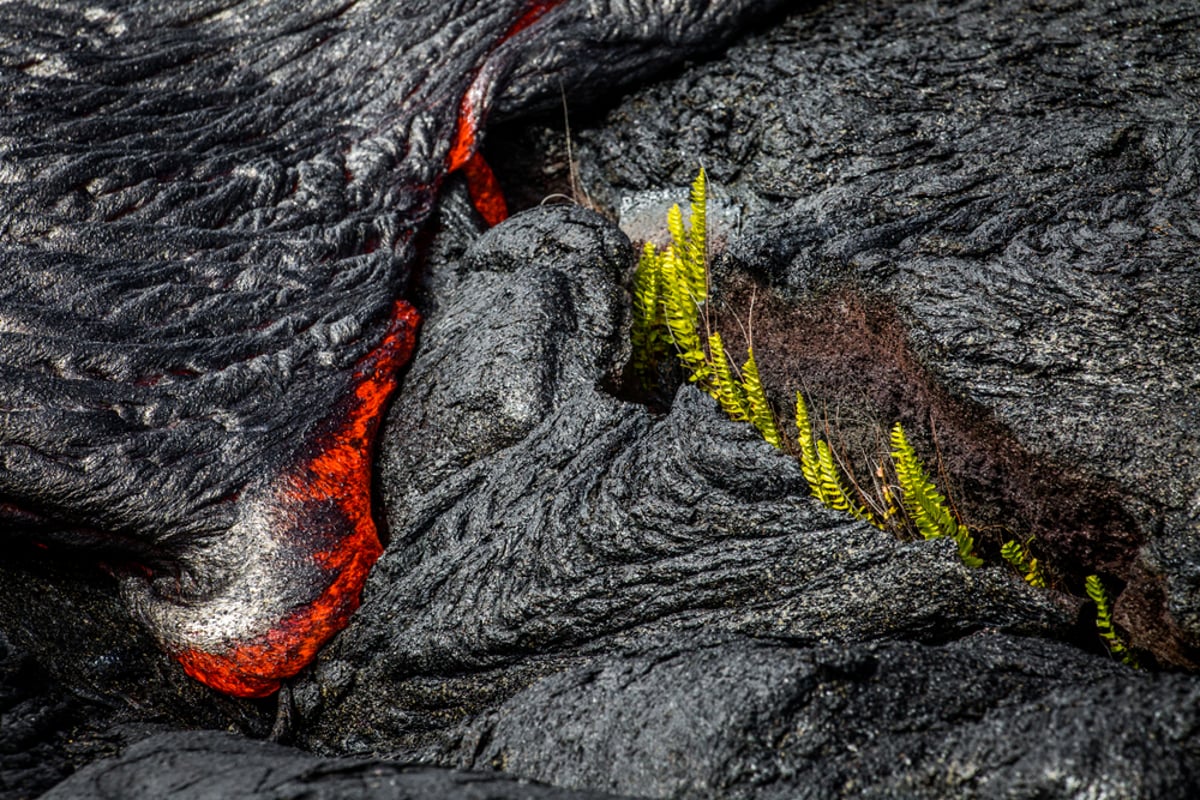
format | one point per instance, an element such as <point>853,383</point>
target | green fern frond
<point>646,337</point>
<point>675,227</point>
<point>761,415</point>
<point>682,315</point>
<point>834,492</point>
<point>697,235</point>
<point>692,269</point>
<point>722,384</point>
<point>647,291</point>
<point>1019,556</point>
<point>831,482</point>
<point>821,472</point>
<point>925,505</point>
<point>810,464</point>
<point>1104,624</point>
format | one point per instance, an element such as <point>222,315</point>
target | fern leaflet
<point>810,464</point>
<point>722,384</point>
<point>697,235</point>
<point>646,338</point>
<point>1019,556</point>
<point>681,312</point>
<point>821,472</point>
<point>833,491</point>
<point>761,415</point>
<point>1104,624</point>
<point>926,506</point>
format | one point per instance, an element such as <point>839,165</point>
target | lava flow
<point>336,479</point>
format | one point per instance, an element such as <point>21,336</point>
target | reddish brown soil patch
<point>851,357</point>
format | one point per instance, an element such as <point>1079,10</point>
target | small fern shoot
<point>681,312</point>
<point>1019,556</point>
<point>697,234</point>
<point>1104,624</point>
<point>810,464</point>
<point>723,386</point>
<point>822,473</point>
<point>646,338</point>
<point>925,505</point>
<point>834,490</point>
<point>761,415</point>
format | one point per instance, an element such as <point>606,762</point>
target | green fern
<point>697,234</point>
<point>761,415</point>
<point>1019,556</point>
<point>925,505</point>
<point>821,472</point>
<point>669,289</point>
<point>1104,624</point>
<point>834,491</point>
<point>810,463</point>
<point>681,311</point>
<point>726,388</point>
<point>647,339</point>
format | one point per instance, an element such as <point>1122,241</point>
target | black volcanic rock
<point>976,218</point>
<point>545,519</point>
<point>211,765</point>
<point>36,718</point>
<point>979,220</point>
<point>210,216</point>
<point>984,716</point>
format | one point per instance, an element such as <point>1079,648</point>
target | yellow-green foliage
<point>647,337</point>
<point>810,464</point>
<point>925,505</point>
<point>1104,624</point>
<point>670,289</point>
<point>1019,556</point>
<point>820,471</point>
<point>726,388</point>
<point>690,242</point>
<point>681,310</point>
<point>761,415</point>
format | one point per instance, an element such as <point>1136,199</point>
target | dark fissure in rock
<point>851,356</point>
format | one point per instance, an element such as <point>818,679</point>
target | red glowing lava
<point>339,474</point>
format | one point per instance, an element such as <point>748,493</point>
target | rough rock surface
<point>35,722</point>
<point>987,715</point>
<point>546,518</point>
<point>950,214</point>
<point>1015,184</point>
<point>210,765</point>
<point>210,216</point>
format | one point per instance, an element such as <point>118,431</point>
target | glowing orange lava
<point>339,473</point>
<point>464,155</point>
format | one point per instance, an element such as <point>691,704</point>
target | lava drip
<point>482,186</point>
<point>327,498</point>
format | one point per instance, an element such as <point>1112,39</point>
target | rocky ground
<point>981,219</point>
